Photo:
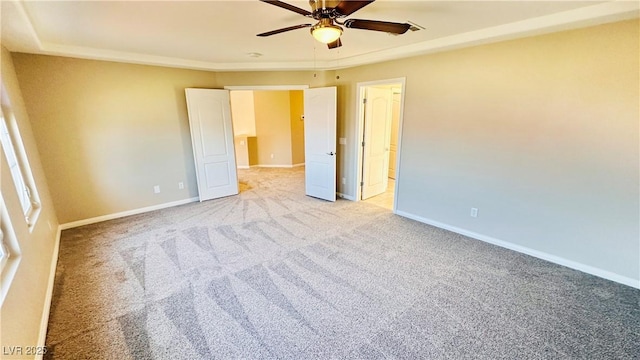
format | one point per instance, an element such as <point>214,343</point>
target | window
<point>4,252</point>
<point>9,252</point>
<point>19,166</point>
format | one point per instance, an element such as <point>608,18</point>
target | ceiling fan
<point>328,12</point>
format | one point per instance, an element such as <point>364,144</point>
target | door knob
<point>332,153</point>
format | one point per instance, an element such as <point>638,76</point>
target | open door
<point>320,142</point>
<point>212,140</point>
<point>377,129</point>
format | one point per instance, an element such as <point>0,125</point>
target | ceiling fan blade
<point>384,26</point>
<point>273,32</point>
<point>288,7</point>
<point>335,44</point>
<point>347,8</point>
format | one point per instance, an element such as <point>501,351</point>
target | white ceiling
<point>220,35</point>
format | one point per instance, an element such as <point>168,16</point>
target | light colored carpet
<point>274,274</point>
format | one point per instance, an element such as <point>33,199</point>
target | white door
<point>395,128</point>
<point>212,140</point>
<point>377,128</point>
<point>320,142</point>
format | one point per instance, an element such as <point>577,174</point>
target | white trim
<point>267,87</point>
<point>13,247</point>
<point>608,12</point>
<point>102,218</point>
<point>44,322</point>
<point>271,166</point>
<point>597,14</point>
<point>635,283</point>
<point>359,131</point>
<point>345,196</point>
<point>279,166</point>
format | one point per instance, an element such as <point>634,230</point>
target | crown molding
<point>587,16</point>
<point>583,17</point>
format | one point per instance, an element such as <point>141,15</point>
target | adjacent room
<point>268,128</point>
<point>320,179</point>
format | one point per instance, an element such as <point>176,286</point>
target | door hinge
<point>363,144</point>
<point>364,101</point>
<point>362,183</point>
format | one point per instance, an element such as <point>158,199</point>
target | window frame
<point>9,263</point>
<point>24,177</point>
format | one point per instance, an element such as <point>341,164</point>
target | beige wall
<point>242,113</point>
<point>273,127</point>
<point>268,78</point>
<point>242,151</point>
<point>22,311</point>
<point>108,132</point>
<point>296,100</point>
<point>111,131</point>
<point>278,128</point>
<point>540,134</point>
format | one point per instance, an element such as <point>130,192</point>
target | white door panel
<point>377,128</point>
<point>320,142</point>
<point>212,140</point>
<point>395,125</point>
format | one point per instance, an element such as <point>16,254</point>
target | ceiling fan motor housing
<point>324,9</point>
<point>328,13</point>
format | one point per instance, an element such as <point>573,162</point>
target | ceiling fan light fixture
<point>326,31</point>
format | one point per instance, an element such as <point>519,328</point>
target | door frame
<point>261,88</point>
<point>360,96</point>
<point>267,87</point>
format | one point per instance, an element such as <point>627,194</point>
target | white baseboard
<point>279,166</point>
<point>102,218</point>
<point>44,321</point>
<point>271,166</point>
<point>525,250</point>
<point>344,196</point>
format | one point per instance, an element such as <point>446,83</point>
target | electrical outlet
<point>180,185</point>
<point>474,212</point>
<point>156,189</point>
<point>272,156</point>
<point>344,181</point>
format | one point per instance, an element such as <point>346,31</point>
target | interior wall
<point>244,126</point>
<point>23,309</point>
<point>274,78</point>
<point>273,127</point>
<point>108,132</point>
<point>242,113</point>
<point>540,134</point>
<point>296,101</point>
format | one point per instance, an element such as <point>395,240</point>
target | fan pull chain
<point>337,63</point>
<point>315,66</point>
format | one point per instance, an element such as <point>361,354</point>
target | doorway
<point>306,137</point>
<point>379,122</point>
<point>268,128</point>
